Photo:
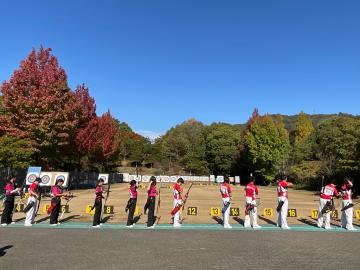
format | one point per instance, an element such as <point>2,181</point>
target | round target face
<point>45,179</point>
<point>60,177</point>
<point>31,178</point>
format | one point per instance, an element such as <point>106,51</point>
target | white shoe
<point>177,225</point>
<point>130,226</point>
<point>27,225</point>
<point>58,223</point>
<point>285,228</point>
<point>351,229</point>
<point>328,228</point>
<point>53,225</point>
<point>151,227</point>
<point>3,224</point>
<point>12,223</point>
<point>227,227</point>
<point>256,227</point>
<point>96,226</point>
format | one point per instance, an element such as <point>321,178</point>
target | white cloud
<point>152,135</point>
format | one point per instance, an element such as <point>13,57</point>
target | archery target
<point>45,178</point>
<point>32,174</point>
<point>145,178</point>
<point>165,178</point>
<point>104,176</point>
<point>212,178</point>
<point>30,178</point>
<point>61,175</point>
<point>134,177</point>
<point>220,179</point>
<point>173,179</point>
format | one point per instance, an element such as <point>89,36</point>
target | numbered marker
<point>357,214</point>
<point>215,211</point>
<point>292,213</point>
<point>64,209</point>
<point>314,213</point>
<point>192,211</point>
<point>335,214</point>
<point>19,207</point>
<point>108,209</point>
<point>234,212</point>
<point>136,213</point>
<point>89,211</point>
<point>45,208</point>
<point>268,212</point>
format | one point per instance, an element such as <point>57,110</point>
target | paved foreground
<point>71,248</point>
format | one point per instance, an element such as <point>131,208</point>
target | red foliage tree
<point>39,104</point>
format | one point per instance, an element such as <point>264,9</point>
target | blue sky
<point>155,63</point>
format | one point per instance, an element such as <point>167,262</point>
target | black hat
<point>132,182</point>
<point>180,180</point>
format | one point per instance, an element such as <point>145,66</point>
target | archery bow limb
<point>105,201</point>
<point>187,196</point>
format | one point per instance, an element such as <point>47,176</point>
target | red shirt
<point>328,192</point>
<point>282,189</point>
<point>177,192</point>
<point>9,188</point>
<point>225,190</point>
<point>34,187</point>
<point>251,190</point>
<point>152,192</point>
<point>346,192</point>
<point>133,192</point>
<point>98,192</point>
<point>56,191</point>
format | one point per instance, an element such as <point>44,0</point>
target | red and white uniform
<point>30,215</point>
<point>225,191</point>
<point>347,215</point>
<point>250,192</point>
<point>283,195</point>
<point>177,194</point>
<point>133,192</point>
<point>327,194</point>
<point>282,189</point>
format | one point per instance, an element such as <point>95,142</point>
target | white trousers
<point>347,216</point>
<point>226,215</point>
<point>30,215</point>
<point>254,214</point>
<point>282,215</point>
<point>177,215</point>
<point>327,216</point>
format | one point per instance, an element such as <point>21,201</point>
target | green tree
<point>338,144</point>
<point>184,146</point>
<point>266,146</point>
<point>15,153</point>
<point>303,147</point>
<point>222,142</point>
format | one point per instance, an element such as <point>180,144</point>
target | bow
<point>186,196</point>
<point>68,198</point>
<point>106,198</point>
<point>39,200</point>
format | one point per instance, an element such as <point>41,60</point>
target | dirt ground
<point>203,197</point>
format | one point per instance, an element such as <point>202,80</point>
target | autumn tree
<point>99,140</point>
<point>39,107</point>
